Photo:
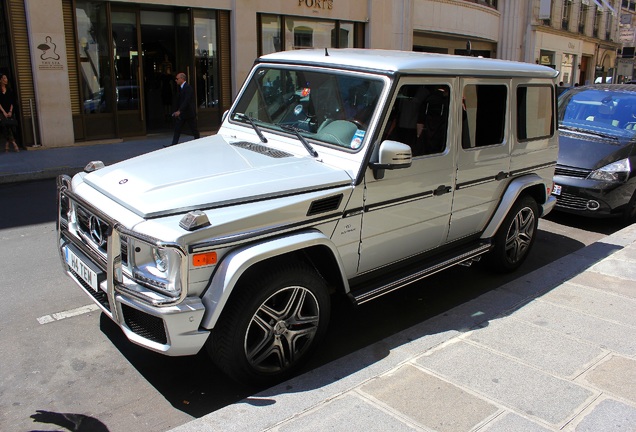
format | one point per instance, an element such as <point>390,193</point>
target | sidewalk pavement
<point>38,163</point>
<point>553,350</point>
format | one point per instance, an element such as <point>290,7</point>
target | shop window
<point>484,115</point>
<point>92,35</point>
<point>205,53</point>
<point>303,37</point>
<point>280,33</point>
<point>534,112</point>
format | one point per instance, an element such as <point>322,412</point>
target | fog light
<point>593,205</point>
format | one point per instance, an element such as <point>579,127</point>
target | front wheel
<point>271,324</point>
<point>515,236</point>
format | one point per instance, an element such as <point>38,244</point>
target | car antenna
<point>326,52</point>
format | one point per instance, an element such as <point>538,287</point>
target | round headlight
<point>161,259</point>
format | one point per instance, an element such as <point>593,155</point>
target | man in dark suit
<point>186,111</point>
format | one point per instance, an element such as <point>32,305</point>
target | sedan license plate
<point>557,190</point>
<point>81,269</point>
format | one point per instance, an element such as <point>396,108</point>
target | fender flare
<point>514,190</point>
<point>238,261</point>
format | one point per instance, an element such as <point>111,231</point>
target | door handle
<point>441,190</point>
<point>500,176</point>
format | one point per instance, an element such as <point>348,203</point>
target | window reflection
<point>205,52</point>
<point>92,34</point>
<point>301,33</point>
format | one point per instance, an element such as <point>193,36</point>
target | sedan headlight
<point>615,172</point>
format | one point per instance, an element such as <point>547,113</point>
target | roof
<point>409,62</point>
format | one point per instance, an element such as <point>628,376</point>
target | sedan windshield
<point>332,108</point>
<point>601,112</point>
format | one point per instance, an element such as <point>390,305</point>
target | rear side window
<point>535,112</point>
<point>484,115</point>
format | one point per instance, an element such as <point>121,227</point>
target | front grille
<point>97,234</point>
<point>146,326</point>
<point>572,202</point>
<point>93,228</point>
<point>571,172</point>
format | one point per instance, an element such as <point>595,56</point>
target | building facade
<point>89,70</point>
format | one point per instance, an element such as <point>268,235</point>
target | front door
<point>408,211</point>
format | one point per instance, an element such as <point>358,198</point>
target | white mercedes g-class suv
<point>352,171</point>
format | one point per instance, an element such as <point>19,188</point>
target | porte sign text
<point>317,4</point>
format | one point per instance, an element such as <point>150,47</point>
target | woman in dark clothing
<point>6,110</point>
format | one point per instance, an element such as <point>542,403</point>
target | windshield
<point>602,112</point>
<point>332,107</point>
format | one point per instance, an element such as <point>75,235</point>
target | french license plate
<point>83,270</point>
<point>557,190</point>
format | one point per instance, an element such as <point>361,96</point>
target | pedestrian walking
<point>186,112</point>
<point>8,123</point>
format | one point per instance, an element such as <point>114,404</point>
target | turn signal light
<point>204,259</point>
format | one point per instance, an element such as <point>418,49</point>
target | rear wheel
<point>515,237</point>
<point>271,325</point>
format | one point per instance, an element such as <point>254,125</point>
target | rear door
<point>483,159</point>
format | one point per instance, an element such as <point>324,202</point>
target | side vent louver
<point>324,205</point>
<point>261,149</point>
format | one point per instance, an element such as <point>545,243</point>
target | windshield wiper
<point>301,138</point>
<point>251,122</point>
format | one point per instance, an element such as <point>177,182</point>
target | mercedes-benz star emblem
<point>95,227</point>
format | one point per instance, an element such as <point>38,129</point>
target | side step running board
<point>372,291</point>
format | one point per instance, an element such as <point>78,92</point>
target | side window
<point>535,112</point>
<point>484,115</point>
<point>419,118</point>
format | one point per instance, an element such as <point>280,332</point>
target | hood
<point>587,151</point>
<point>210,172</point>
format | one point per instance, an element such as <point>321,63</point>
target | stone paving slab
<point>430,401</point>
<point>526,390</point>
<point>539,347</point>
<point>361,415</point>
<point>616,375</point>
<point>510,422</point>
<point>609,416</point>
<point>597,331</point>
<point>608,283</point>
<point>595,302</point>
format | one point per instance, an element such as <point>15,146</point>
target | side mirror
<point>224,116</point>
<point>392,155</point>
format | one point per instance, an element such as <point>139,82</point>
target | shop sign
<point>316,4</point>
<point>48,57</point>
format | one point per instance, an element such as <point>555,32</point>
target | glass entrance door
<point>128,97</point>
<point>158,42</point>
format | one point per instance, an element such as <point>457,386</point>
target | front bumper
<point>593,198</point>
<point>166,325</point>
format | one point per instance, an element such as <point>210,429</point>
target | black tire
<point>271,324</point>
<point>515,236</point>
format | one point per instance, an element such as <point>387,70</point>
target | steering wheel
<point>358,124</point>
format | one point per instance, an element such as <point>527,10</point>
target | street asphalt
<point>554,350</point>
